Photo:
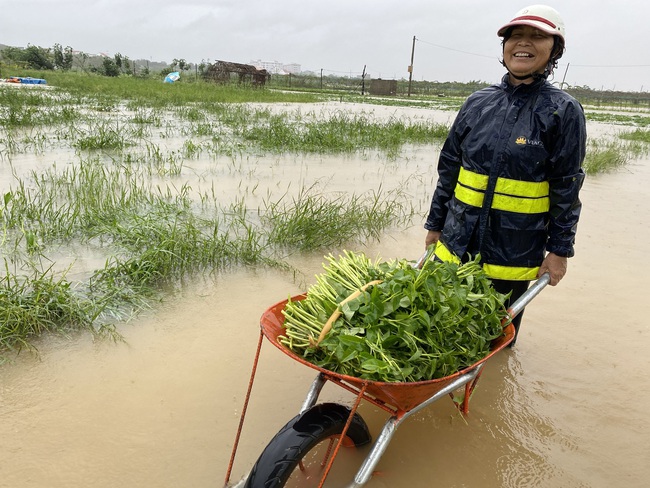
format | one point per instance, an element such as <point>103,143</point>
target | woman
<point>510,172</point>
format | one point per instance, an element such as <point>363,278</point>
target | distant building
<point>292,68</point>
<point>383,87</point>
<point>276,67</point>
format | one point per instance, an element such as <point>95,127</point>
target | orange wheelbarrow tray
<point>400,400</point>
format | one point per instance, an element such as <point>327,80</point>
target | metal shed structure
<point>227,72</point>
<point>383,87</point>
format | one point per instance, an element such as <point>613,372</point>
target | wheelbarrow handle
<point>425,257</point>
<point>534,290</point>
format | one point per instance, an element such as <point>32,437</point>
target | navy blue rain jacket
<point>532,133</point>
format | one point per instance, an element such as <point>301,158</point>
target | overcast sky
<point>607,41</point>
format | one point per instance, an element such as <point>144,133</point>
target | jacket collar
<point>522,88</point>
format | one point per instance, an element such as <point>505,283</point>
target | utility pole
<point>411,66</point>
<point>564,78</point>
<point>321,78</point>
<point>363,80</point>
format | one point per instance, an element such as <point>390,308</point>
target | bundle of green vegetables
<point>388,321</point>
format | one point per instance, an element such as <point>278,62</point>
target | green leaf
<point>348,355</point>
<point>373,365</point>
<point>405,302</point>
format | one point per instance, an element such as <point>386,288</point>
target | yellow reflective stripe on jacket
<point>445,254</point>
<point>520,205</point>
<point>516,188</point>
<point>503,202</point>
<point>509,195</point>
<point>474,180</point>
<point>494,271</point>
<point>513,273</point>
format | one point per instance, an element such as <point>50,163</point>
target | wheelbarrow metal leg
<point>314,392</point>
<point>381,444</point>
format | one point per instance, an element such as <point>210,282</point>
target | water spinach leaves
<point>409,325</point>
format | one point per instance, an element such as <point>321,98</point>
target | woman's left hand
<point>555,266</point>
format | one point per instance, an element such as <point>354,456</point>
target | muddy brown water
<point>568,407</point>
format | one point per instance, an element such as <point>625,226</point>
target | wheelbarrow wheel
<point>288,450</point>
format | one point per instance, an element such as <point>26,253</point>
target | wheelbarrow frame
<point>376,393</point>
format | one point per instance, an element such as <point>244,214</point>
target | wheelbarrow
<point>302,453</point>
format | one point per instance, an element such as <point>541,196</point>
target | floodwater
<point>567,407</point>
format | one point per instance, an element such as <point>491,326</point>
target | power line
<point>612,66</point>
<point>456,50</point>
<point>575,65</point>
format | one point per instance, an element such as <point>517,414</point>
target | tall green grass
<point>121,189</point>
<point>153,238</point>
<point>638,135</point>
<point>151,92</point>
<point>604,159</point>
<point>313,220</point>
<point>339,133</point>
<point>38,302</point>
<point>232,127</point>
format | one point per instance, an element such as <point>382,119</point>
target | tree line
<point>62,58</point>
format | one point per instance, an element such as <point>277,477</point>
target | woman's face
<point>527,51</point>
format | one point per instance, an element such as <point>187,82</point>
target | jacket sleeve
<point>449,165</point>
<point>565,179</point>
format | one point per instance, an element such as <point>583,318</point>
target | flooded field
<point>567,407</point>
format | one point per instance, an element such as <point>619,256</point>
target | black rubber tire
<point>281,456</point>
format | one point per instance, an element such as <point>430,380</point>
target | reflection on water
<point>566,408</point>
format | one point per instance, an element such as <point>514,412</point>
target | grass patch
<point>153,239</point>
<point>340,133</point>
<point>638,135</point>
<point>610,118</point>
<point>37,303</point>
<point>313,220</point>
<point>604,159</point>
<point>147,92</point>
<point>120,183</point>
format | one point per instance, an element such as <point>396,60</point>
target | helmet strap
<point>517,77</point>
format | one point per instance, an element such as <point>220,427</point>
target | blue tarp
<point>28,80</point>
<point>172,77</point>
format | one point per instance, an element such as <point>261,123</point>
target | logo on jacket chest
<point>523,141</point>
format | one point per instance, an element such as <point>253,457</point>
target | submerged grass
<point>638,120</point>
<point>154,238</point>
<point>148,92</point>
<point>604,159</point>
<point>36,303</point>
<point>122,189</point>
<point>340,133</point>
<point>314,220</point>
<point>638,135</point>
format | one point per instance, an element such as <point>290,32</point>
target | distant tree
<point>68,58</point>
<point>203,66</point>
<point>13,54</point>
<point>82,59</point>
<point>123,63</point>
<point>181,64</point>
<point>109,67</point>
<point>57,51</point>
<point>32,57</point>
<point>37,57</point>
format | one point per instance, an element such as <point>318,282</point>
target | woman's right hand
<point>432,237</point>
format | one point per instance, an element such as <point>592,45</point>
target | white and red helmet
<point>542,17</point>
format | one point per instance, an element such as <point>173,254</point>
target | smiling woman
<point>510,170</point>
<point>533,42</point>
<point>526,52</point>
